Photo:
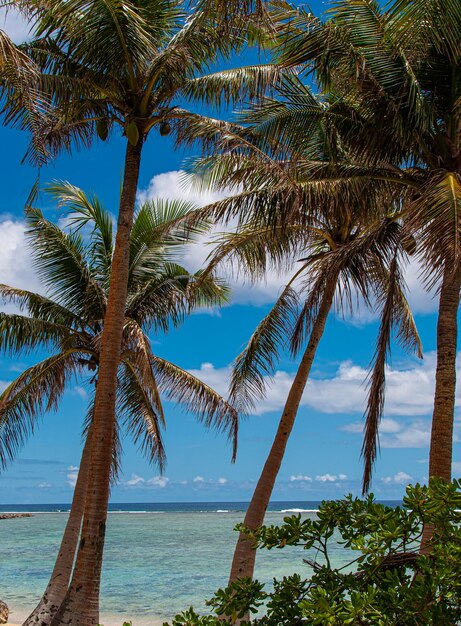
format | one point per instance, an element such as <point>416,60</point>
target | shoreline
<point>19,614</point>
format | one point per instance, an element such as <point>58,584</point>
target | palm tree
<point>118,63</point>
<point>352,236</point>
<point>21,104</point>
<point>69,324</point>
<point>393,74</point>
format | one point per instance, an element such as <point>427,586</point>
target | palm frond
<point>259,357</point>
<point>159,301</point>
<point>141,417</point>
<point>395,313</point>
<point>320,277</point>
<point>61,261</point>
<point>198,398</point>
<point>19,333</point>
<point>37,390</point>
<point>255,248</point>
<point>161,227</point>
<point>139,355</point>
<point>427,23</point>
<point>84,211</point>
<point>234,85</point>
<point>206,291</point>
<point>40,307</point>
<point>435,214</point>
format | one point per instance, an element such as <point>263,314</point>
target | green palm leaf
<point>84,211</point>
<point>142,420</point>
<point>27,334</point>
<point>160,229</point>
<point>37,390</point>
<point>230,86</point>
<point>197,397</point>
<point>40,307</point>
<point>395,314</point>
<point>61,261</point>
<point>260,356</point>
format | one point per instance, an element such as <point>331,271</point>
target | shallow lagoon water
<point>156,563</point>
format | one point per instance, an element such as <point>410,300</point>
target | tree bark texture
<point>441,447</point>
<point>245,555</point>
<point>81,605</point>
<point>58,584</point>
<point>440,455</point>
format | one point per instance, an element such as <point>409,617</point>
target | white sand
<point>17,617</point>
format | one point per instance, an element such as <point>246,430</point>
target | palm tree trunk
<point>441,448</point>
<point>81,605</point>
<point>245,555</point>
<point>440,455</point>
<point>60,577</point>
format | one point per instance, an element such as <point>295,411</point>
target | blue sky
<point>322,459</point>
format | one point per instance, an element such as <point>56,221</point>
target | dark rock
<point>4,611</point>
<point>13,516</point>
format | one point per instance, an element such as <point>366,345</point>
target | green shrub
<point>386,581</point>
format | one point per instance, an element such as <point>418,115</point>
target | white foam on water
<point>299,511</point>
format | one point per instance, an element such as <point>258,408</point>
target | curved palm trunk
<point>60,577</point>
<point>440,456</point>
<point>440,453</point>
<point>81,605</point>
<point>245,555</point>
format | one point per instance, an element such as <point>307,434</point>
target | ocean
<point>160,558</point>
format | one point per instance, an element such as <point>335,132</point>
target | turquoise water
<point>156,563</point>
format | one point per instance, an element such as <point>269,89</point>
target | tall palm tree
<point>131,65</point>
<point>352,236</point>
<point>393,73</point>
<point>69,325</point>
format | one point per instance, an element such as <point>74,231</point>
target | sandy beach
<point>17,617</point>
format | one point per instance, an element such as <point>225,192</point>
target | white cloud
<point>198,479</point>
<point>417,434</point>
<point>300,478</point>
<point>80,392</point>
<point>420,300</point>
<point>158,481</point>
<point>394,434</point>
<point>72,476</point>
<point>15,256</point>
<point>135,481</point>
<point>172,185</point>
<point>389,426</point>
<point>16,268</point>
<point>44,485</point>
<point>222,481</point>
<point>330,478</point>
<point>15,26</point>
<point>326,478</point>
<point>409,393</point>
<point>354,427</point>
<point>401,478</point>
